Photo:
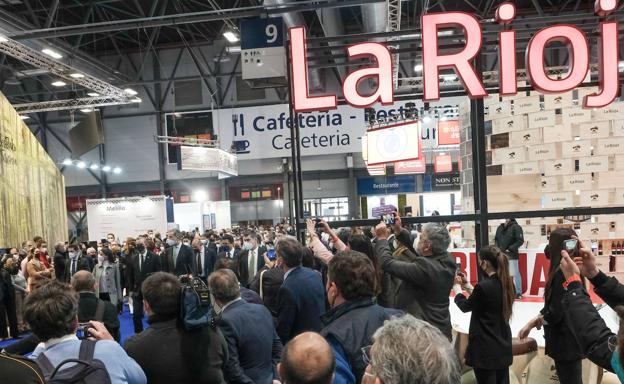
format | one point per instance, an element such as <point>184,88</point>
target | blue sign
<point>262,33</point>
<point>386,185</point>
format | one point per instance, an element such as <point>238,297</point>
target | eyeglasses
<point>366,354</point>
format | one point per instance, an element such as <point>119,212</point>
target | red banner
<point>443,163</point>
<point>413,166</point>
<point>448,132</point>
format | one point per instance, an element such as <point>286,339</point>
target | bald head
<point>307,359</point>
<point>83,281</point>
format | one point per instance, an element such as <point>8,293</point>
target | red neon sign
<point>460,62</point>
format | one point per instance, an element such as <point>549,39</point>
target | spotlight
<point>67,162</point>
<point>81,165</point>
<point>117,170</point>
<point>231,36</point>
<point>200,195</point>
<point>94,167</point>
<point>130,91</point>
<point>106,168</point>
<point>77,75</point>
<point>59,83</point>
<point>86,110</point>
<point>93,94</point>
<point>24,117</point>
<point>52,53</point>
<point>418,67</point>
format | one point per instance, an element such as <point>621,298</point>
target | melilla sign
<point>434,61</point>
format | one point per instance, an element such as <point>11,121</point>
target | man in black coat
<point>302,295</point>
<point>204,258</point>
<point>60,261</point>
<point>425,281</point>
<point>251,258</point>
<point>227,250</point>
<point>166,351</point>
<point>178,258</point>
<point>83,282</point>
<point>354,315</point>
<point>143,263</point>
<point>254,351</point>
<point>75,263</point>
<point>267,284</point>
<point>509,237</point>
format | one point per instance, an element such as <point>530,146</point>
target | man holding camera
<point>52,313</point>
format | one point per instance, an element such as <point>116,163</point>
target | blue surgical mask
<point>224,248</point>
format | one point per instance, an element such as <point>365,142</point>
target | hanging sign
<point>434,60</point>
<point>262,48</point>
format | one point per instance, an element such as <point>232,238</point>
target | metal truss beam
<point>187,18</point>
<point>68,104</point>
<point>393,25</point>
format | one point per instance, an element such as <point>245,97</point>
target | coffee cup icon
<point>241,146</point>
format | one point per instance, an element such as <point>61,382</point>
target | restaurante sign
<point>434,61</point>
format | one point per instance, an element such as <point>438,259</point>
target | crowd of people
<point>362,305</point>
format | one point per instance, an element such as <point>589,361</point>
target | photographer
<point>52,313</point>
<point>596,340</point>
<point>166,351</point>
<point>425,280</point>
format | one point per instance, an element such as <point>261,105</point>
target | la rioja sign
<point>434,61</point>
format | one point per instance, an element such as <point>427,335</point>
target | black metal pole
<point>477,126</point>
<point>293,148</point>
<point>299,178</point>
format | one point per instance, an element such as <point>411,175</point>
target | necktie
<point>199,263</point>
<point>142,261</point>
<point>73,267</point>
<point>251,263</point>
<point>175,255</point>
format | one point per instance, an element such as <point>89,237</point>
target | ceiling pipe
<point>331,21</point>
<point>295,19</point>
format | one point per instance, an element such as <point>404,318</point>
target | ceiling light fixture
<point>81,165</point>
<point>86,110</point>
<point>93,94</point>
<point>77,75</point>
<point>106,168</point>
<point>418,67</point>
<point>130,91</point>
<point>231,36</point>
<point>67,162</point>
<point>52,53</point>
<point>3,39</point>
<point>24,117</point>
<point>117,170</point>
<point>59,83</point>
<point>94,167</point>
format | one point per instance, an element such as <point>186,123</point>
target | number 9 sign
<point>271,33</point>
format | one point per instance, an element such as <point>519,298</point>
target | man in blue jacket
<point>302,295</point>
<point>253,345</point>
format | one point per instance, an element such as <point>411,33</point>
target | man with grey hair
<point>410,351</point>
<point>177,258</point>
<point>60,260</point>
<point>254,348</point>
<point>90,307</point>
<point>426,280</point>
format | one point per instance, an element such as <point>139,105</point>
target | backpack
<point>85,370</point>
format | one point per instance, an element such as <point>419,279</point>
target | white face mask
<point>73,255</point>
<point>101,259</point>
<point>248,246</point>
<point>186,243</point>
<point>171,242</point>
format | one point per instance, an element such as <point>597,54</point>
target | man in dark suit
<point>75,263</point>
<point>166,351</point>
<point>83,282</point>
<point>142,263</point>
<point>177,258</point>
<point>226,250</point>
<point>204,258</point>
<point>302,295</point>
<point>60,261</point>
<point>253,351</point>
<point>251,258</point>
<point>212,243</point>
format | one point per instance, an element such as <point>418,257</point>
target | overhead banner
<point>386,185</point>
<point>126,217</point>
<point>208,159</point>
<point>264,131</point>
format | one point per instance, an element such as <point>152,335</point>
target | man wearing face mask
<point>354,315</point>
<point>204,259</point>
<point>177,258</point>
<point>142,263</point>
<point>253,351</point>
<point>227,248</point>
<point>426,279</point>
<point>75,263</point>
<point>251,258</point>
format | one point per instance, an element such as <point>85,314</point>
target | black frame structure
<point>481,215</point>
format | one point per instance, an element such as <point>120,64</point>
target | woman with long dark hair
<point>491,304</point>
<point>561,344</point>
